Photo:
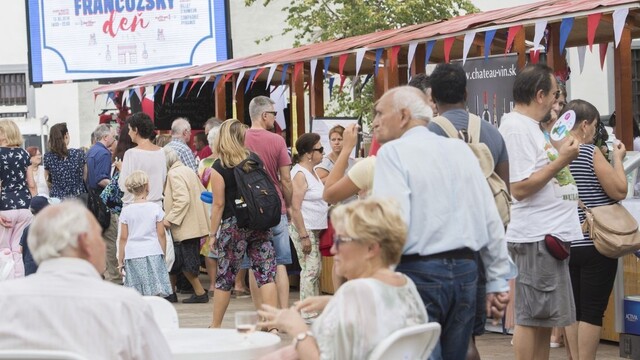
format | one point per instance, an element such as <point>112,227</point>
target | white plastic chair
<point>164,313</point>
<point>39,355</point>
<point>411,343</point>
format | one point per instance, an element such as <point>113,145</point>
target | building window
<point>13,89</point>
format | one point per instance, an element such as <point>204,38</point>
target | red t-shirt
<point>272,150</point>
<point>204,153</point>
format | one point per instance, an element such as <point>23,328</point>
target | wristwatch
<point>300,337</point>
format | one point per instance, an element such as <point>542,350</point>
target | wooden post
<point>555,60</point>
<point>623,93</point>
<point>380,78</point>
<point>418,60</point>
<point>297,104</point>
<point>392,78</point>
<point>316,92</point>
<point>220,95</point>
<point>521,48</point>
<point>240,101</point>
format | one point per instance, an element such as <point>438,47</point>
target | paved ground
<point>492,346</point>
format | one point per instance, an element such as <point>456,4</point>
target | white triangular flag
<point>619,18</point>
<point>541,26</point>
<point>138,93</point>
<point>204,82</point>
<point>412,53</point>
<point>125,97</point>
<point>272,70</point>
<point>359,57</point>
<point>175,87</point>
<point>313,63</point>
<point>468,40</point>
<point>238,80</point>
<point>582,50</point>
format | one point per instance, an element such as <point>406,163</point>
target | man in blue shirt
<point>98,176</point>
<point>451,214</point>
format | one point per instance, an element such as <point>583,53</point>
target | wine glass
<point>246,322</point>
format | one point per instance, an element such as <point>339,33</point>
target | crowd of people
<point>417,235</point>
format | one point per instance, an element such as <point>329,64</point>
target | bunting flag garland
<point>272,70</point>
<point>593,21</point>
<point>430,44</point>
<point>284,74</point>
<point>184,87</point>
<point>173,91</point>
<point>217,80</point>
<point>366,80</point>
<point>488,39</point>
<point>313,64</point>
<point>138,92</point>
<point>297,67</point>
<point>126,97</point>
<point>359,57</point>
<point>513,31</point>
<point>238,80</point>
<point>619,18</point>
<point>565,29</point>
<point>193,84</point>
<point>331,80</point>
<point>534,56</point>
<point>255,78</point>
<point>411,54</point>
<point>377,62</point>
<point>468,41</point>
<point>342,60</point>
<point>204,82</point>
<point>541,25</point>
<point>582,50</point>
<point>326,62</point>
<point>603,53</point>
<point>252,75</point>
<point>164,94</point>
<point>395,50</point>
<point>448,44</point>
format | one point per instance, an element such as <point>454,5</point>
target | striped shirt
<point>591,192</point>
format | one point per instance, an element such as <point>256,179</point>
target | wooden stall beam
<point>623,92</point>
<point>221,101</point>
<point>297,103</point>
<point>316,92</point>
<point>520,47</point>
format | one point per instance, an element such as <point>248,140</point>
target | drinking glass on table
<point>246,322</point>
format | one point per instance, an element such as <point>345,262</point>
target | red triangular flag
<point>394,55</point>
<point>341,61</point>
<point>513,31</point>
<point>342,79</point>
<point>166,88</point>
<point>255,77</point>
<point>603,53</point>
<point>194,82</point>
<point>296,69</point>
<point>224,80</point>
<point>448,44</point>
<point>592,25</point>
<point>534,56</point>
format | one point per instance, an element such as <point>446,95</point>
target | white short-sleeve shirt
<point>141,220</point>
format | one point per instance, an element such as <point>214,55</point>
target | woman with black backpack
<point>227,238</point>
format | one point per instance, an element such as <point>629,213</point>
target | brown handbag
<point>612,228</point>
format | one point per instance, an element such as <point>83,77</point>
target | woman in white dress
<point>375,302</point>
<point>36,172</point>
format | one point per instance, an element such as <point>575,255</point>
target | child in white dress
<point>143,241</point>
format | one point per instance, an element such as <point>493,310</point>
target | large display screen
<point>97,39</point>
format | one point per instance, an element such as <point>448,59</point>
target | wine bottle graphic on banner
<point>495,112</point>
<point>486,116</point>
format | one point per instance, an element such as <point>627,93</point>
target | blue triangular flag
<point>184,87</point>
<point>326,62</point>
<point>155,90</point>
<point>488,39</point>
<point>110,96</point>
<point>284,73</point>
<point>252,74</point>
<point>427,55</point>
<point>131,92</point>
<point>565,29</point>
<point>377,62</point>
<point>215,83</point>
<point>366,80</point>
<point>331,80</point>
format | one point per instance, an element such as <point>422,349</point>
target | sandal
<point>274,331</point>
<point>240,294</point>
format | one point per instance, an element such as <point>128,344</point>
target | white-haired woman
<point>375,302</point>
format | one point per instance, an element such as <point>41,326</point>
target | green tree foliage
<point>320,20</point>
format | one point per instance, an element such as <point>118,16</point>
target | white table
<point>201,344</point>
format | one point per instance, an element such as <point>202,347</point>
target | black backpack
<point>257,206</point>
<point>98,208</point>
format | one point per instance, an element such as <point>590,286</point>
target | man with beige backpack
<point>448,91</point>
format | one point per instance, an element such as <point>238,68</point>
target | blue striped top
<point>591,192</point>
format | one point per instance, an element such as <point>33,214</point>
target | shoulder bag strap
<point>473,128</point>
<point>446,125</point>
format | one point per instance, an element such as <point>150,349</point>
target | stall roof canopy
<point>552,11</point>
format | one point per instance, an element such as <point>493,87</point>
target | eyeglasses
<point>557,94</point>
<point>274,113</point>
<point>320,150</point>
<point>337,240</point>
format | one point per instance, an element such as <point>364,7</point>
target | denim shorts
<point>280,239</point>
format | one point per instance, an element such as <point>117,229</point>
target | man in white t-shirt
<point>545,203</point>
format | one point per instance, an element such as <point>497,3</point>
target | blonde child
<point>143,241</point>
